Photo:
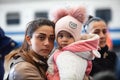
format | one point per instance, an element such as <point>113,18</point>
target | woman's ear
<point>28,39</point>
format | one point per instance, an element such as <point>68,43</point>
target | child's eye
<point>60,36</point>
<point>70,36</point>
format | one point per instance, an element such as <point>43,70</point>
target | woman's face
<point>100,28</point>
<point>42,40</point>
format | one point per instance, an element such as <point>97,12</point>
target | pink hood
<point>88,42</point>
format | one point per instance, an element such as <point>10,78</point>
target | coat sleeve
<point>24,71</point>
<point>71,66</point>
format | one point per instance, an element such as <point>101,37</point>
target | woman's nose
<point>102,34</point>
<point>46,42</point>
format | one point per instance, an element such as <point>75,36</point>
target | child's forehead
<point>64,32</point>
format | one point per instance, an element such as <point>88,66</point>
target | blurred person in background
<point>6,45</point>
<point>108,38</point>
<point>108,58</point>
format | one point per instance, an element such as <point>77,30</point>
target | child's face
<point>64,38</point>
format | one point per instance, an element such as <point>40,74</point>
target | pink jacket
<point>73,62</point>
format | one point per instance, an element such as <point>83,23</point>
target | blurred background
<point>15,14</point>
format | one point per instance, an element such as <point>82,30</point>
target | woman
<point>108,58</point>
<point>30,61</point>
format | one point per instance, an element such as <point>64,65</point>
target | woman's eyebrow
<point>40,33</point>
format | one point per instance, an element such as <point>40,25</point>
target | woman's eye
<point>41,37</point>
<point>51,38</point>
<point>96,32</point>
<point>104,31</point>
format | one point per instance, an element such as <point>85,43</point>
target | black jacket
<point>7,44</point>
<point>106,62</point>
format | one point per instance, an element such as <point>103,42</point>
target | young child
<point>72,59</point>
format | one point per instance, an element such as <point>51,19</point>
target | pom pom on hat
<point>59,14</point>
<point>70,25</point>
<point>78,13</point>
<point>70,20</point>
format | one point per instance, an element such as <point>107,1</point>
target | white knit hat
<point>69,24</point>
<point>70,20</point>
